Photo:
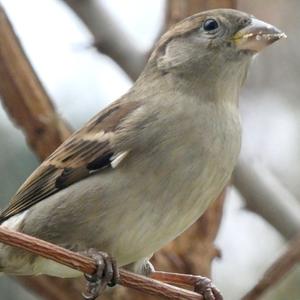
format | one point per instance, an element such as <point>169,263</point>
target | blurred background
<point>81,81</point>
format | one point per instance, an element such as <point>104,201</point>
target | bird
<point>146,167</point>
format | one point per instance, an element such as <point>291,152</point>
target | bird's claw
<point>205,287</point>
<point>107,274</point>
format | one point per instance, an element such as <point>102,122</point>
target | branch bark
<point>277,271</point>
<point>88,265</point>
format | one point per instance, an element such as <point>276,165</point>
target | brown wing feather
<point>87,150</point>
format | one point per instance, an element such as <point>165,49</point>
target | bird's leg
<point>201,285</point>
<point>107,274</point>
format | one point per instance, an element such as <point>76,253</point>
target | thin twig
<point>87,265</point>
<point>277,271</point>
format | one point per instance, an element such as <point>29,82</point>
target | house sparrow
<point>146,167</point>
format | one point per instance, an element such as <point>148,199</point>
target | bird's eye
<point>210,25</point>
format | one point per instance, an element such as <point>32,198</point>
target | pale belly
<point>151,226</point>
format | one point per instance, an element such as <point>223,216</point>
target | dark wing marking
<point>87,150</point>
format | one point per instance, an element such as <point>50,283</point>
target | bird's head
<point>213,44</point>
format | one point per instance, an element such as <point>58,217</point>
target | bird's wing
<point>86,151</point>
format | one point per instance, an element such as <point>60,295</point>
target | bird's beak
<point>257,35</point>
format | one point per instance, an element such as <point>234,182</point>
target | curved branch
<point>88,265</point>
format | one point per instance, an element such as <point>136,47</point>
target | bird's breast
<point>185,170</point>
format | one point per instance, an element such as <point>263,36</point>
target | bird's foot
<point>206,288</point>
<point>201,285</point>
<point>107,274</point>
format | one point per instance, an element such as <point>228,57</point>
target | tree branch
<point>88,265</point>
<point>277,271</point>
